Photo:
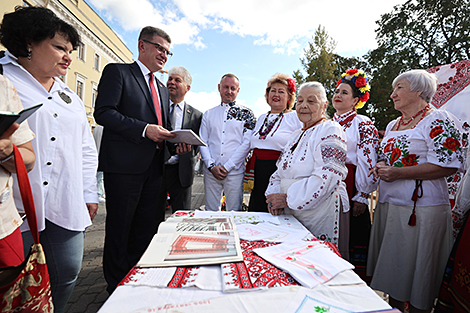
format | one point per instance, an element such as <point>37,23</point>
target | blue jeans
<point>64,254</point>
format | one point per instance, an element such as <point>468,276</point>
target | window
<point>81,51</point>
<point>94,95</point>
<point>79,90</point>
<point>96,63</point>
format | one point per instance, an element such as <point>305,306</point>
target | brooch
<point>65,97</point>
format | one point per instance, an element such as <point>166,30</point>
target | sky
<point>253,39</point>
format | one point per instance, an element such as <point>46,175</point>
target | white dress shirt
<point>64,177</point>
<point>227,132</point>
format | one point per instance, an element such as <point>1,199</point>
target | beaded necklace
<point>422,112</point>
<point>268,126</point>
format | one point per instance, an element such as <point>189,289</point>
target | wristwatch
<point>211,167</point>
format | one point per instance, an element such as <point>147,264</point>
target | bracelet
<point>7,158</point>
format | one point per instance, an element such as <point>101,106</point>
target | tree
<point>321,64</point>
<point>416,34</point>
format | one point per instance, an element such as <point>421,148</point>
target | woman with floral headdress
<point>351,93</point>
<point>272,131</point>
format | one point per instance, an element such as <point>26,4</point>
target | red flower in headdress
<point>365,97</point>
<point>291,85</point>
<point>360,82</point>
<point>339,82</point>
<point>351,71</point>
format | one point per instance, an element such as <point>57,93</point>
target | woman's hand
<point>384,172</point>
<point>92,209</point>
<point>358,208</point>
<point>276,203</point>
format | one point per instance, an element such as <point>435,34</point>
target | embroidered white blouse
<point>279,135</point>
<point>437,139</point>
<point>64,177</point>
<point>10,220</point>
<point>227,132</point>
<point>363,144</point>
<point>312,174</point>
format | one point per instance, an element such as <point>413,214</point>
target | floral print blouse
<point>436,139</point>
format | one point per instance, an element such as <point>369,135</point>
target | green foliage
<point>416,34</point>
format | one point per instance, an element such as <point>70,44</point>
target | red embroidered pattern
<point>179,246</point>
<point>455,83</point>
<point>182,276</point>
<point>346,120</point>
<point>254,271</point>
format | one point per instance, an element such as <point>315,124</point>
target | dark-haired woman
<point>63,182</point>
<point>352,92</point>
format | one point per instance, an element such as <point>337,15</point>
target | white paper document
<point>187,136</point>
<point>310,263</point>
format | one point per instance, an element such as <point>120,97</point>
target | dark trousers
<point>263,171</point>
<point>132,219</point>
<point>180,197</point>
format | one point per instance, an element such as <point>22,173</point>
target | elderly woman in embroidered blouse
<point>64,178</point>
<point>308,182</point>
<point>351,93</point>
<point>271,133</point>
<point>412,232</point>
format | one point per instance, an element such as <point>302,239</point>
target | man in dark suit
<point>179,169</point>
<point>133,107</point>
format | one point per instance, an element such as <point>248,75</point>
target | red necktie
<point>156,102</point>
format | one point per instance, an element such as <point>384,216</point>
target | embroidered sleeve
<point>444,139</point>
<point>238,157</point>
<point>367,149</point>
<point>329,156</point>
<point>244,115</point>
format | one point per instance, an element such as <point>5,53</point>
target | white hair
<point>420,80</point>
<point>181,71</point>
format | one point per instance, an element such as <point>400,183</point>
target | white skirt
<point>408,262</point>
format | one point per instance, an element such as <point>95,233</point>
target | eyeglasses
<point>160,48</point>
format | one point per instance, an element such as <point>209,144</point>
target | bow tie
<point>230,104</point>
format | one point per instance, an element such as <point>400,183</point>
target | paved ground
<point>90,291</point>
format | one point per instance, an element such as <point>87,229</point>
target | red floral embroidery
<point>436,131</point>
<point>409,160</point>
<point>388,147</point>
<point>395,155</point>
<point>451,144</point>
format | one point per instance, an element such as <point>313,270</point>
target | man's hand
<point>219,172</point>
<point>92,209</point>
<point>183,148</point>
<point>157,133</point>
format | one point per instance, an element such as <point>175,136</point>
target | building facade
<point>99,45</point>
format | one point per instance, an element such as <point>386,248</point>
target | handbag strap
<point>26,194</point>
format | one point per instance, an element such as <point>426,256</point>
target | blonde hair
<point>282,79</point>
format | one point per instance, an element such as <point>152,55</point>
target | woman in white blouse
<point>64,178</point>
<point>351,93</point>
<point>411,235</point>
<point>272,131</point>
<point>308,182</point>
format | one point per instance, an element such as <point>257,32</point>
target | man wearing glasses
<point>133,107</point>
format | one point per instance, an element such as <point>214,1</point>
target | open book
<point>193,241</point>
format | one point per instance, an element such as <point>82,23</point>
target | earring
<point>29,54</point>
